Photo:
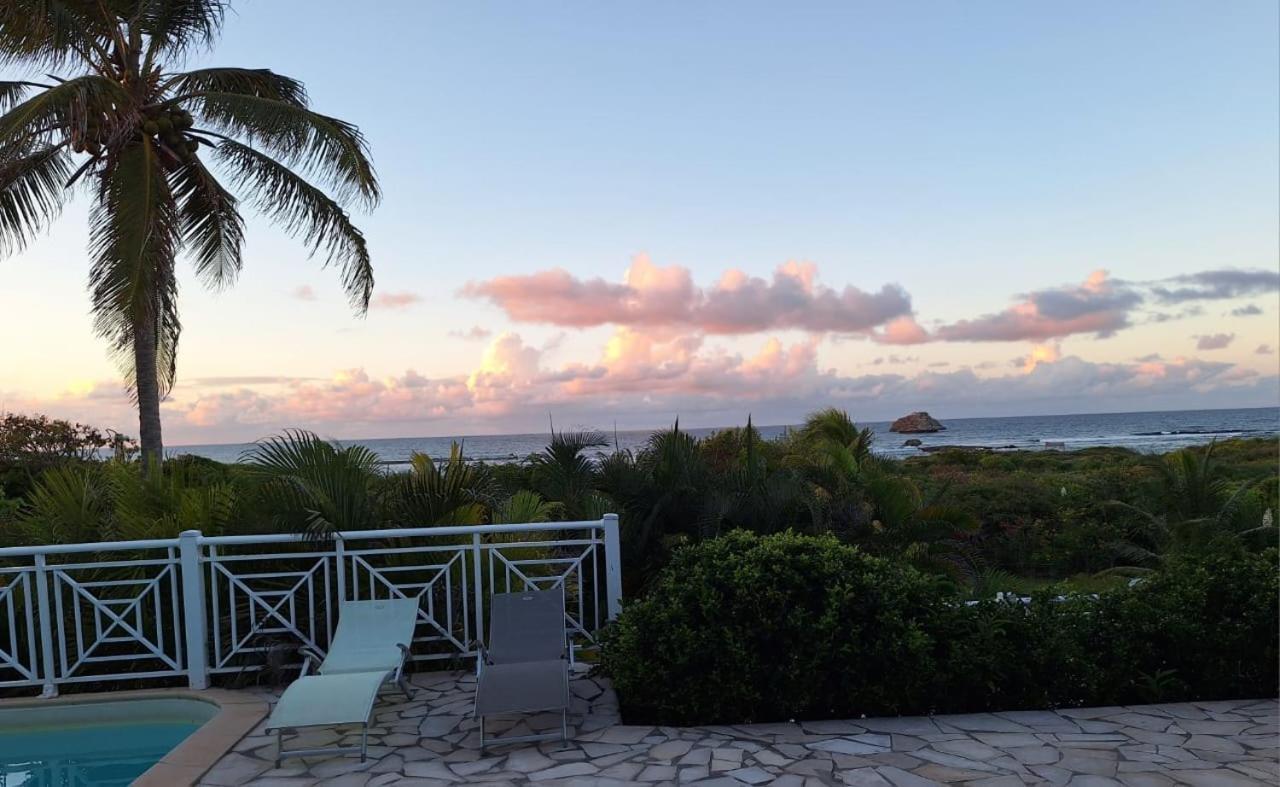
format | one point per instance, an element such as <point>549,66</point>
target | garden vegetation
<point>792,578</point>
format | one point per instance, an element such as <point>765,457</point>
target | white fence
<point>198,606</point>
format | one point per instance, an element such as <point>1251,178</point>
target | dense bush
<point>748,628</point>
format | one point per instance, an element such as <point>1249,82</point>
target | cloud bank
<point>658,297</point>
<point>655,296</point>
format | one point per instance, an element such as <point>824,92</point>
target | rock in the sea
<point>911,442</point>
<point>916,423</point>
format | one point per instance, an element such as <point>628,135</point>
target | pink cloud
<point>652,295</point>
<point>395,300</point>
<point>643,377</point>
<point>304,293</point>
<point>1098,306</point>
<point>901,330</point>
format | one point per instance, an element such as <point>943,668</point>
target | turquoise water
<point>99,745</point>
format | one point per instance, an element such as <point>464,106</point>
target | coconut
<point>164,124</point>
<point>150,127</point>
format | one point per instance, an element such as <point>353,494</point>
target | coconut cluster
<point>164,125</point>
<point>167,125</point>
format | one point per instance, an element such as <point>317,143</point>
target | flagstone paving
<point>432,740</point>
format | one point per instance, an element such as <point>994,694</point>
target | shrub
<point>747,628</point>
<point>1202,628</point>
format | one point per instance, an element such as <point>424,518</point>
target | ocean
<point>1151,432</point>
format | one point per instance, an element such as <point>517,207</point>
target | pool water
<point>94,744</point>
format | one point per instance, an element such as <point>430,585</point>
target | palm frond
<point>302,209</point>
<point>525,506</point>
<point>32,194</point>
<point>134,232</point>
<point>67,105</point>
<point>256,82</point>
<point>12,92</point>
<point>212,228</point>
<point>50,33</point>
<point>176,26</point>
<point>323,147</point>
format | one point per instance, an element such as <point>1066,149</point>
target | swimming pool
<point>95,744</point>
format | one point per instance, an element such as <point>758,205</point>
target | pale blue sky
<point>967,151</point>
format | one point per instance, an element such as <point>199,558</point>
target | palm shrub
<point>662,493</point>
<point>1197,510</point>
<point>308,485</point>
<point>69,504</point>
<point>564,473</point>
<point>448,491</point>
<point>166,156</point>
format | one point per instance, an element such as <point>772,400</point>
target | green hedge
<point>746,628</point>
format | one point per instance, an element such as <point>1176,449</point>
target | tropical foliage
<point>167,157</point>
<point>978,523</point>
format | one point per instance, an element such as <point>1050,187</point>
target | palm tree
<point>160,152</point>
<point>833,452</point>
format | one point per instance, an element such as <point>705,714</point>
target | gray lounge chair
<point>372,636</point>
<point>368,650</point>
<point>525,668</point>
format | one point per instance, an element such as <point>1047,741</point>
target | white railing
<point>198,606</point>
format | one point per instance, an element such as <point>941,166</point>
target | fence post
<point>613,564</point>
<point>479,591</point>
<point>193,609</point>
<point>49,688</point>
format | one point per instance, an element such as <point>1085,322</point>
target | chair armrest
<point>309,655</point>
<point>482,657</point>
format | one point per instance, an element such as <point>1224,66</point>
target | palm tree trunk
<point>148,389</point>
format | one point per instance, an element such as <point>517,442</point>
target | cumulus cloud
<point>657,296</point>
<point>1250,310</point>
<point>1264,349</point>
<point>1098,306</point>
<point>304,293</point>
<point>1041,353</point>
<point>1216,341</point>
<point>474,333</point>
<point>1216,285</point>
<point>645,377</point>
<point>394,300</point>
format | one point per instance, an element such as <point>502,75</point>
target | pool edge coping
<point>238,713</point>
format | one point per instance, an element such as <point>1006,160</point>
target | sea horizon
<point>1154,431</point>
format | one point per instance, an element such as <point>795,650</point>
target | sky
<point>617,214</point>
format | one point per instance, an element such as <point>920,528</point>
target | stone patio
<point>433,741</point>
